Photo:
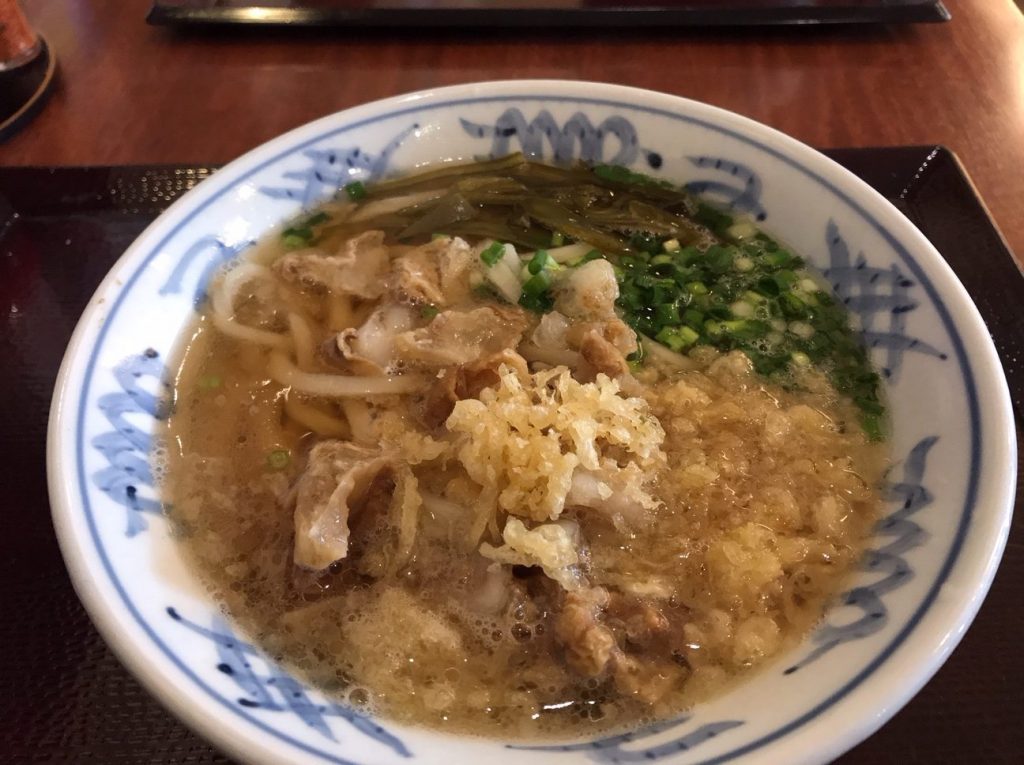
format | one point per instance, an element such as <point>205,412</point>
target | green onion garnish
<point>536,295</point>
<point>666,313</point>
<point>677,338</point>
<point>539,262</point>
<point>209,382</point>
<point>537,284</point>
<point>278,459</point>
<point>297,236</point>
<point>355,190</point>
<point>716,220</point>
<point>592,255</point>
<point>302,234</point>
<point>493,254</point>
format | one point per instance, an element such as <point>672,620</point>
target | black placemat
<point>63,696</point>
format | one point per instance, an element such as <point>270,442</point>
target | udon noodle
<point>523,451</point>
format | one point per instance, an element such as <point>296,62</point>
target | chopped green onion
<point>746,329</point>
<point>592,255</point>
<point>299,235</point>
<point>693,318</point>
<point>669,337</point>
<point>801,329</point>
<point>666,313</point>
<point>743,229</point>
<point>620,174</point>
<point>494,253</point>
<point>294,242</point>
<point>713,328</point>
<point>278,459</point>
<point>719,259</point>
<point>873,428</point>
<point>719,222</point>
<point>537,284</point>
<point>792,306</point>
<point>541,302</point>
<point>697,288</point>
<point>557,239</point>
<point>742,309</point>
<point>782,259</point>
<point>689,256</point>
<point>355,190</point>
<point>689,335</point>
<point>743,264</point>
<point>785,279</point>
<point>539,262</point>
<point>429,311</point>
<point>677,338</point>
<point>535,295</point>
<point>645,242</point>
<point>209,382</point>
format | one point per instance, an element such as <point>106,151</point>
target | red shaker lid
<point>19,43</point>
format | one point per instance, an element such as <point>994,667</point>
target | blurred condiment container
<point>19,44</point>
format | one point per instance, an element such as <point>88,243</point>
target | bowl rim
<point>990,528</point>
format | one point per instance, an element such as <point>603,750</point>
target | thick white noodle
<point>313,419</point>
<point>305,346</point>
<point>505,281</point>
<point>360,421</point>
<point>223,301</point>
<point>338,386</point>
<point>569,252</point>
<point>551,356</point>
<point>443,508</point>
<point>666,355</point>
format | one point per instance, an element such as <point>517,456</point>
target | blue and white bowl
<point>948,500</point>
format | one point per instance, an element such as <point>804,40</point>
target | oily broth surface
<point>765,509</point>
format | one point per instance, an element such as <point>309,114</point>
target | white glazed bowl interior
<point>948,500</point>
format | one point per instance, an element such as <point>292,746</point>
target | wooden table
<point>134,94</point>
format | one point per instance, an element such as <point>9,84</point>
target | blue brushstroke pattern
<point>209,249</point>
<point>879,297</point>
<point>743,195</point>
<point>612,749</point>
<point>910,496</point>
<point>126,448</point>
<point>274,690</point>
<point>577,139</point>
<point>330,169</point>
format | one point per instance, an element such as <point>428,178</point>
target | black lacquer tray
<point>64,698</point>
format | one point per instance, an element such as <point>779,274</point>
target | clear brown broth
<point>766,504</point>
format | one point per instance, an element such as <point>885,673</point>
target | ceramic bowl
<point>948,497</point>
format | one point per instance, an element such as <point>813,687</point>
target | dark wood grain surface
<point>133,94</point>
